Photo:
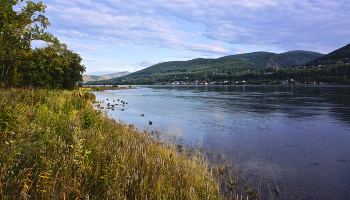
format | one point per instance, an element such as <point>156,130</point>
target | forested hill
<point>341,55</point>
<point>267,59</point>
<point>190,70</point>
<point>197,66</point>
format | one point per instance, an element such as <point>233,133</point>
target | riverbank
<point>55,145</point>
<point>104,87</point>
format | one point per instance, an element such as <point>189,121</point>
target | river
<point>299,136</point>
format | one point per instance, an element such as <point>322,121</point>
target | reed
<point>55,145</point>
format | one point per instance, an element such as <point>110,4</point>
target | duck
<point>142,115</point>
<point>149,123</point>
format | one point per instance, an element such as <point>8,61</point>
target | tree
<point>17,30</point>
<point>53,66</point>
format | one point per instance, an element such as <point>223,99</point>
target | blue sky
<point>115,35</point>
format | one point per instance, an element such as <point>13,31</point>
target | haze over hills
<point>87,78</point>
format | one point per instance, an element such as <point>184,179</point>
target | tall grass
<point>55,145</point>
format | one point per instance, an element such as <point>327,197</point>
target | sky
<point>119,35</point>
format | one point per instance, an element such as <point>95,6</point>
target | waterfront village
<point>243,82</point>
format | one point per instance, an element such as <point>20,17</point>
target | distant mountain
<point>185,71</point>
<point>267,59</point>
<point>196,66</point>
<point>224,68</point>
<point>87,78</point>
<point>341,54</point>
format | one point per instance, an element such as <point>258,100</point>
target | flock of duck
<point>113,105</point>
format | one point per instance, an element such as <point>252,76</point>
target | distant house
<point>286,82</point>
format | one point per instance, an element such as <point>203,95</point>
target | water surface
<point>296,135</point>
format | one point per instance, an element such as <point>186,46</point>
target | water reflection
<point>297,135</point>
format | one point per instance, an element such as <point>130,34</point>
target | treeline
<point>338,73</point>
<point>51,66</point>
<point>299,74</point>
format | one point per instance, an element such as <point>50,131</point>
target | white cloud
<point>82,47</point>
<point>143,64</point>
<point>287,24</point>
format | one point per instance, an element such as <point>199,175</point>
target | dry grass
<point>54,145</point>
<point>102,88</point>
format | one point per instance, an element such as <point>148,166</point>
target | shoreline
<point>102,88</point>
<point>56,145</point>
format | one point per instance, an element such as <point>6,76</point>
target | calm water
<point>297,135</point>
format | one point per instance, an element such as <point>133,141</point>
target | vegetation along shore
<point>55,145</point>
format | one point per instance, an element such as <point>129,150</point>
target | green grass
<point>55,145</point>
<point>102,88</point>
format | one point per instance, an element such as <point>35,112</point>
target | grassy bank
<point>54,145</point>
<point>102,88</point>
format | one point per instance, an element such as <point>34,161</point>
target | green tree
<point>53,66</point>
<point>17,30</point>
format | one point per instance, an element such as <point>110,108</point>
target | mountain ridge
<point>267,59</point>
<point>201,68</point>
<point>342,54</point>
<point>87,78</point>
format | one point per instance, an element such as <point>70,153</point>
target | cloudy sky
<point>120,35</point>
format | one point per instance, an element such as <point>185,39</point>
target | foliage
<point>20,65</point>
<point>54,66</point>
<point>17,30</point>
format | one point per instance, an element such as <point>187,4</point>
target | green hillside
<point>228,69</point>
<point>184,71</point>
<point>197,66</point>
<point>341,54</point>
<point>266,59</point>
<point>250,56</point>
<point>333,68</point>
